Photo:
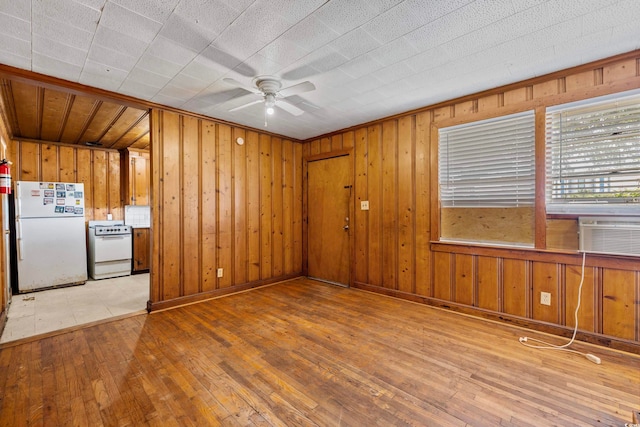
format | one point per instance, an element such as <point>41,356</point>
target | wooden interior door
<point>328,215</point>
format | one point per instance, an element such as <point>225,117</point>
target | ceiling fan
<point>269,89</point>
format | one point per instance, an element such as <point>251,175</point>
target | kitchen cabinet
<point>136,176</point>
<point>141,250</point>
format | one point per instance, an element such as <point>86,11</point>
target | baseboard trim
<point>536,325</point>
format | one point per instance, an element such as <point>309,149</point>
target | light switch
<point>364,205</point>
<point>220,272</point>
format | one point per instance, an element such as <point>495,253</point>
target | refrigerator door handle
<point>19,239</point>
<point>18,200</point>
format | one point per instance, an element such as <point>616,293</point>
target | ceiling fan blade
<point>296,89</point>
<point>289,107</point>
<point>234,82</point>
<point>246,105</point>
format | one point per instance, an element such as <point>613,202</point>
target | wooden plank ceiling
<point>38,113</point>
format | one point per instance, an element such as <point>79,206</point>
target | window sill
<point>533,254</point>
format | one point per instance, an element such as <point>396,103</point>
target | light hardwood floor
<point>307,353</point>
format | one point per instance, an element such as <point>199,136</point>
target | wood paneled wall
<point>395,169</point>
<point>217,204</point>
<point>98,169</point>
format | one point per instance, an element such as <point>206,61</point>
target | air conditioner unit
<point>610,235</point>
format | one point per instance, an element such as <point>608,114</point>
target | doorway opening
<point>86,139</point>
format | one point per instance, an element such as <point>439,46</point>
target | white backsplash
<point>137,216</point>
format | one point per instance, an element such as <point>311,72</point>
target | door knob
<point>346,227</point>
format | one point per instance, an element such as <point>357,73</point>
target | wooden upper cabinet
<point>137,175</point>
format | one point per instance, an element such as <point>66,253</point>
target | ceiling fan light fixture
<point>270,89</point>
<point>269,103</point>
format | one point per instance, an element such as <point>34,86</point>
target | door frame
<point>305,207</point>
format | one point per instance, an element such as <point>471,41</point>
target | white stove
<point>109,249</point>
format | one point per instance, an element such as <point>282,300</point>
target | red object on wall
<point>5,177</point>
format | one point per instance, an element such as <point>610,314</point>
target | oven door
<point>112,247</point>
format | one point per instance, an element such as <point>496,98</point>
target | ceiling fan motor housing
<point>268,84</point>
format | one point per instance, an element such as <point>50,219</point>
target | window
<point>487,181</point>
<point>593,156</point>
<point>488,163</point>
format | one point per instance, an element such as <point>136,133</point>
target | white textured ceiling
<point>367,58</point>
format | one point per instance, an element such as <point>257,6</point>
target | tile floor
<point>45,311</point>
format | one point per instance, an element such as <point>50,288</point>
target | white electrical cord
<point>547,346</point>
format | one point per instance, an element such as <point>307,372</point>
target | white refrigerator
<point>50,235</point>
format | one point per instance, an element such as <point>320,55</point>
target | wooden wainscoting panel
<point>488,295</point>
<point>546,279</point>
<point>67,164</point>
<point>253,205</point>
<point>296,164</point>
<point>546,88</point>
<point>389,173</point>
<point>442,275</point>
<point>464,279</point>
<point>515,96</point>
<point>374,183</point>
<point>276,213</point>
<point>84,173</point>
<point>621,70</point>
<point>348,140</point>
<point>581,80</point>
<point>240,213</point>
<point>100,184</point>
<point>465,108</point>
<point>406,210</point>
<point>516,287</point>
<point>587,317</point>
<point>314,147</point>
<point>208,206</point>
<point>115,192</point>
<point>325,145</point>
<point>266,191</point>
<point>169,187</point>
<point>422,204</point>
<point>619,303</point>
<point>288,191</point>
<point>361,217</point>
<point>488,103</point>
<point>27,161</point>
<point>336,142</point>
<point>224,177</point>
<point>190,216</point>
<point>49,162</point>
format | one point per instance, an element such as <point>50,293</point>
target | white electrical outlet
<point>545,298</point>
<point>220,272</point>
<point>364,205</point>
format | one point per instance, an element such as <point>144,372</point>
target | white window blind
<point>593,156</point>
<point>488,163</point>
